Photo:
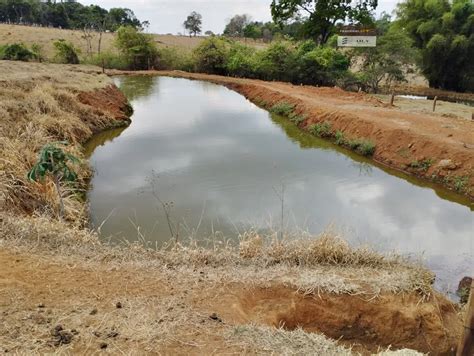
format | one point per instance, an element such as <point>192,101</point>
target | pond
<point>222,166</point>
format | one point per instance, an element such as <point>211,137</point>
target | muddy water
<point>221,164</point>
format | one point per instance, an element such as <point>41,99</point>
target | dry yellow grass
<point>39,104</point>
<point>46,36</point>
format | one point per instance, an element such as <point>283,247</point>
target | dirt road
<point>437,147</point>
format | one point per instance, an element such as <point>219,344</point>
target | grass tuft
<point>282,108</point>
<point>321,129</point>
<point>423,165</point>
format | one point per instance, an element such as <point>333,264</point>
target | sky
<point>167,16</point>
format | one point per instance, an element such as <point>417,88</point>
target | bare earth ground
<point>85,297</point>
<point>404,134</point>
<point>63,291</point>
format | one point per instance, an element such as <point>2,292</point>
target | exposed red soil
<point>402,138</point>
<point>396,320</point>
<point>109,100</point>
<point>37,294</point>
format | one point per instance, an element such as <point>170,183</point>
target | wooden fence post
<point>466,345</point>
<point>434,103</point>
<point>392,98</point>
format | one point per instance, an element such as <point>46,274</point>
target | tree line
<point>67,14</point>
<point>436,35</point>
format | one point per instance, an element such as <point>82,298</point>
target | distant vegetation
<point>443,31</point>
<point>66,14</point>
<point>432,35</point>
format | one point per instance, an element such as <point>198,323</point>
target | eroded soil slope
<point>84,308</point>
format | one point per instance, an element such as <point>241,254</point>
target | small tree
<point>236,25</point>
<point>193,23</point>
<point>54,161</point>
<point>66,52</point>
<point>211,56</point>
<point>389,61</point>
<point>138,48</point>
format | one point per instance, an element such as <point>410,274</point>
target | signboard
<point>357,41</point>
<point>357,36</point>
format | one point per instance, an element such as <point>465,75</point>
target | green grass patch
<point>282,108</point>
<point>423,165</point>
<point>340,138</point>
<point>296,118</point>
<point>460,183</point>
<point>322,129</point>
<point>362,146</point>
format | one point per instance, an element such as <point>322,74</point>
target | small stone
<point>103,345</point>
<point>119,305</point>
<point>94,311</point>
<point>96,334</point>
<point>65,338</point>
<point>41,306</point>
<point>215,317</point>
<point>447,164</point>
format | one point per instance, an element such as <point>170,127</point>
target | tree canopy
<point>321,16</point>
<point>65,14</point>
<point>444,32</point>
<point>236,25</point>
<point>193,23</point>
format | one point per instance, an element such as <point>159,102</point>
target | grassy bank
<point>42,104</point>
<point>63,290</point>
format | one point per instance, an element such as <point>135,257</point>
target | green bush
<point>282,108</point>
<point>211,56</point>
<point>296,119</point>
<point>364,147</point>
<point>423,165</point>
<point>138,49</point>
<point>322,129</point>
<point>16,52</point>
<point>109,60</point>
<point>339,138</point>
<point>241,61</point>
<point>321,65</point>
<point>170,58</point>
<point>66,52</point>
<point>276,62</point>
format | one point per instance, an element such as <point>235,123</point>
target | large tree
<point>444,31</point>
<point>236,26</point>
<point>322,15</point>
<point>193,23</point>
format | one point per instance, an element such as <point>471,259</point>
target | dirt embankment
<point>439,148</point>
<point>41,104</point>
<point>64,292</point>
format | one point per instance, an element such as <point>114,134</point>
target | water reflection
<point>219,159</point>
